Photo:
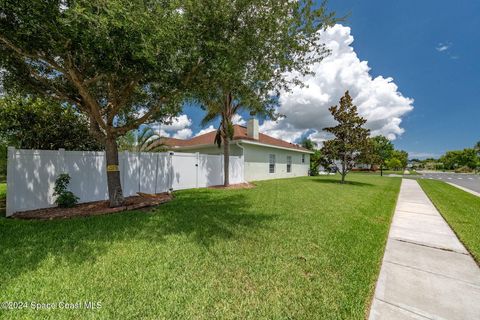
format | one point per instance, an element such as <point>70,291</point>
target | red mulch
<point>94,208</point>
<point>244,185</point>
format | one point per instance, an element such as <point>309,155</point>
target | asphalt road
<point>470,181</point>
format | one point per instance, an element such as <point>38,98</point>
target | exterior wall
<point>257,160</point>
<point>257,163</point>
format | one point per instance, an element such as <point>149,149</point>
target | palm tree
<point>225,110</point>
<point>144,140</point>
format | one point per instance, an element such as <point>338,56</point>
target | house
<point>265,157</point>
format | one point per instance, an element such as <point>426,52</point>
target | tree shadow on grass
<point>347,182</point>
<point>203,217</point>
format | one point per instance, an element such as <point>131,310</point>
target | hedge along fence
<point>31,174</point>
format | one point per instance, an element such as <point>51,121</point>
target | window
<point>303,158</point>
<point>271,163</point>
<point>289,163</point>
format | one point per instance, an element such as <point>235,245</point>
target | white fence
<point>31,174</point>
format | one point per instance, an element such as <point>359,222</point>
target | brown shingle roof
<point>239,133</point>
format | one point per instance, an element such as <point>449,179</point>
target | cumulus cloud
<point>178,127</point>
<point>306,108</point>
<point>183,133</point>
<point>237,119</point>
<point>206,130</point>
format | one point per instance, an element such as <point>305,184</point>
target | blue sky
<point>399,39</point>
<point>431,50</point>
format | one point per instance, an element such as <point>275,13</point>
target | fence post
<point>156,172</point>
<point>126,164</point>
<point>196,168</point>
<point>170,171</point>
<point>139,173</point>
<point>61,160</point>
<point>10,182</point>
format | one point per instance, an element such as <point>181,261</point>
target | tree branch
<point>77,81</point>
<point>124,129</point>
<point>36,56</point>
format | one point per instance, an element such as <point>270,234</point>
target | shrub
<point>463,169</point>
<point>65,197</point>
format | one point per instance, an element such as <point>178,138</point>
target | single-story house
<point>265,157</point>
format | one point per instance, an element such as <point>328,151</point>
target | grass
<point>387,172</point>
<point>303,248</point>
<point>461,210</point>
<point>3,198</point>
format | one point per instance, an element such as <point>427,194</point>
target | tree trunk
<point>381,170</point>
<point>226,162</point>
<point>115,194</point>
<point>343,170</point>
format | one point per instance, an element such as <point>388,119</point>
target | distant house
<point>265,157</point>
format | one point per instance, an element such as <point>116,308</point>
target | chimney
<point>252,128</point>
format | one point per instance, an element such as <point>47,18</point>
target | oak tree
<point>121,63</point>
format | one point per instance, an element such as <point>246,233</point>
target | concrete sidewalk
<point>426,272</point>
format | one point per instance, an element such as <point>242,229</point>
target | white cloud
<point>177,123</point>
<point>422,155</point>
<point>237,119</point>
<point>183,133</point>
<point>206,130</point>
<point>443,46</point>
<point>178,127</point>
<point>306,109</point>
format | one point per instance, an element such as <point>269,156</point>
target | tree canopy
<point>121,63</point>
<point>350,137</point>
<point>35,123</point>
<point>249,45</point>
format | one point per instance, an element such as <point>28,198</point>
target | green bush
<point>65,197</point>
<point>463,169</point>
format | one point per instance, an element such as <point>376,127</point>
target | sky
<point>412,68</point>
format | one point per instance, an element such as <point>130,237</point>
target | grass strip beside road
<point>461,210</point>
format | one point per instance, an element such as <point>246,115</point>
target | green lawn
<point>304,248</point>
<point>387,172</point>
<point>461,210</point>
<point>3,198</point>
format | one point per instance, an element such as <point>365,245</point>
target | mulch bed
<point>245,185</point>
<point>94,208</point>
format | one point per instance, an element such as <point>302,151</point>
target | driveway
<point>470,181</point>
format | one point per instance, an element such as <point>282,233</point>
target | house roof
<point>239,134</point>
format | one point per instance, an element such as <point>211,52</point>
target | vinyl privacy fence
<point>31,174</point>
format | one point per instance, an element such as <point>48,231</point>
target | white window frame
<point>289,164</point>
<point>271,163</point>
<point>303,158</point>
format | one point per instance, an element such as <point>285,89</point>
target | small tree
<point>350,137</point>
<point>402,156</point>
<point>308,144</point>
<point>382,149</point>
<point>393,163</point>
